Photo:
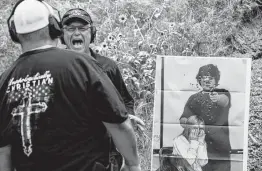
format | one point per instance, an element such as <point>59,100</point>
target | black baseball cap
<point>76,14</point>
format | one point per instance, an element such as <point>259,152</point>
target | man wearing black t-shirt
<point>57,105</point>
<point>79,32</point>
<point>212,104</point>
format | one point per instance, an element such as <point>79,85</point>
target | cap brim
<point>68,20</point>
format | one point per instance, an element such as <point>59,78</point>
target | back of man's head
<point>31,19</point>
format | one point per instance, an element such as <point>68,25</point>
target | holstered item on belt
<point>99,167</point>
<point>116,160</point>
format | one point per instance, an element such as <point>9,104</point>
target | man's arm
<point>221,99</point>
<point>108,107</point>
<point>120,85</point>
<point>202,157</point>
<point>186,113</point>
<point>5,159</point>
<point>115,76</point>
<point>125,141</point>
<point>5,150</point>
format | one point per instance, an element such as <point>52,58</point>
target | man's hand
<point>214,97</point>
<point>137,121</point>
<point>220,99</point>
<point>125,141</point>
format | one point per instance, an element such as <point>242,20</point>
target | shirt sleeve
<point>227,93</point>
<point>115,75</point>
<point>5,118</point>
<point>103,98</point>
<point>202,158</point>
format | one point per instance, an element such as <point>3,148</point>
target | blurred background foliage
<point>133,32</point>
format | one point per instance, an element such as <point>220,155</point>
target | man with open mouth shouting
<point>77,25</point>
<point>78,33</point>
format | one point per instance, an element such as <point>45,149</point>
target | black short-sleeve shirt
<point>111,69</point>
<point>53,103</point>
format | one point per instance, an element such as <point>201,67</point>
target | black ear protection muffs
<point>54,26</point>
<point>93,34</point>
<point>93,31</point>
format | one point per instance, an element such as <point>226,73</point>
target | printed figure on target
<point>211,104</point>
<point>201,114</point>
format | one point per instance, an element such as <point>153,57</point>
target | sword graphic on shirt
<point>33,100</point>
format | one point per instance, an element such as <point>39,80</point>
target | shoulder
<point>67,63</point>
<point>72,58</point>
<point>72,55</point>
<point>106,62</point>
<point>196,95</point>
<point>181,139</point>
<point>180,143</point>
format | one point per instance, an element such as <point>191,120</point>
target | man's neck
<point>29,46</point>
<point>87,51</point>
<point>43,47</point>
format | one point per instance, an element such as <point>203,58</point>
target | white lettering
<point>26,82</point>
<point>44,82</point>
<point>34,83</point>
<point>50,81</point>
<point>18,86</point>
